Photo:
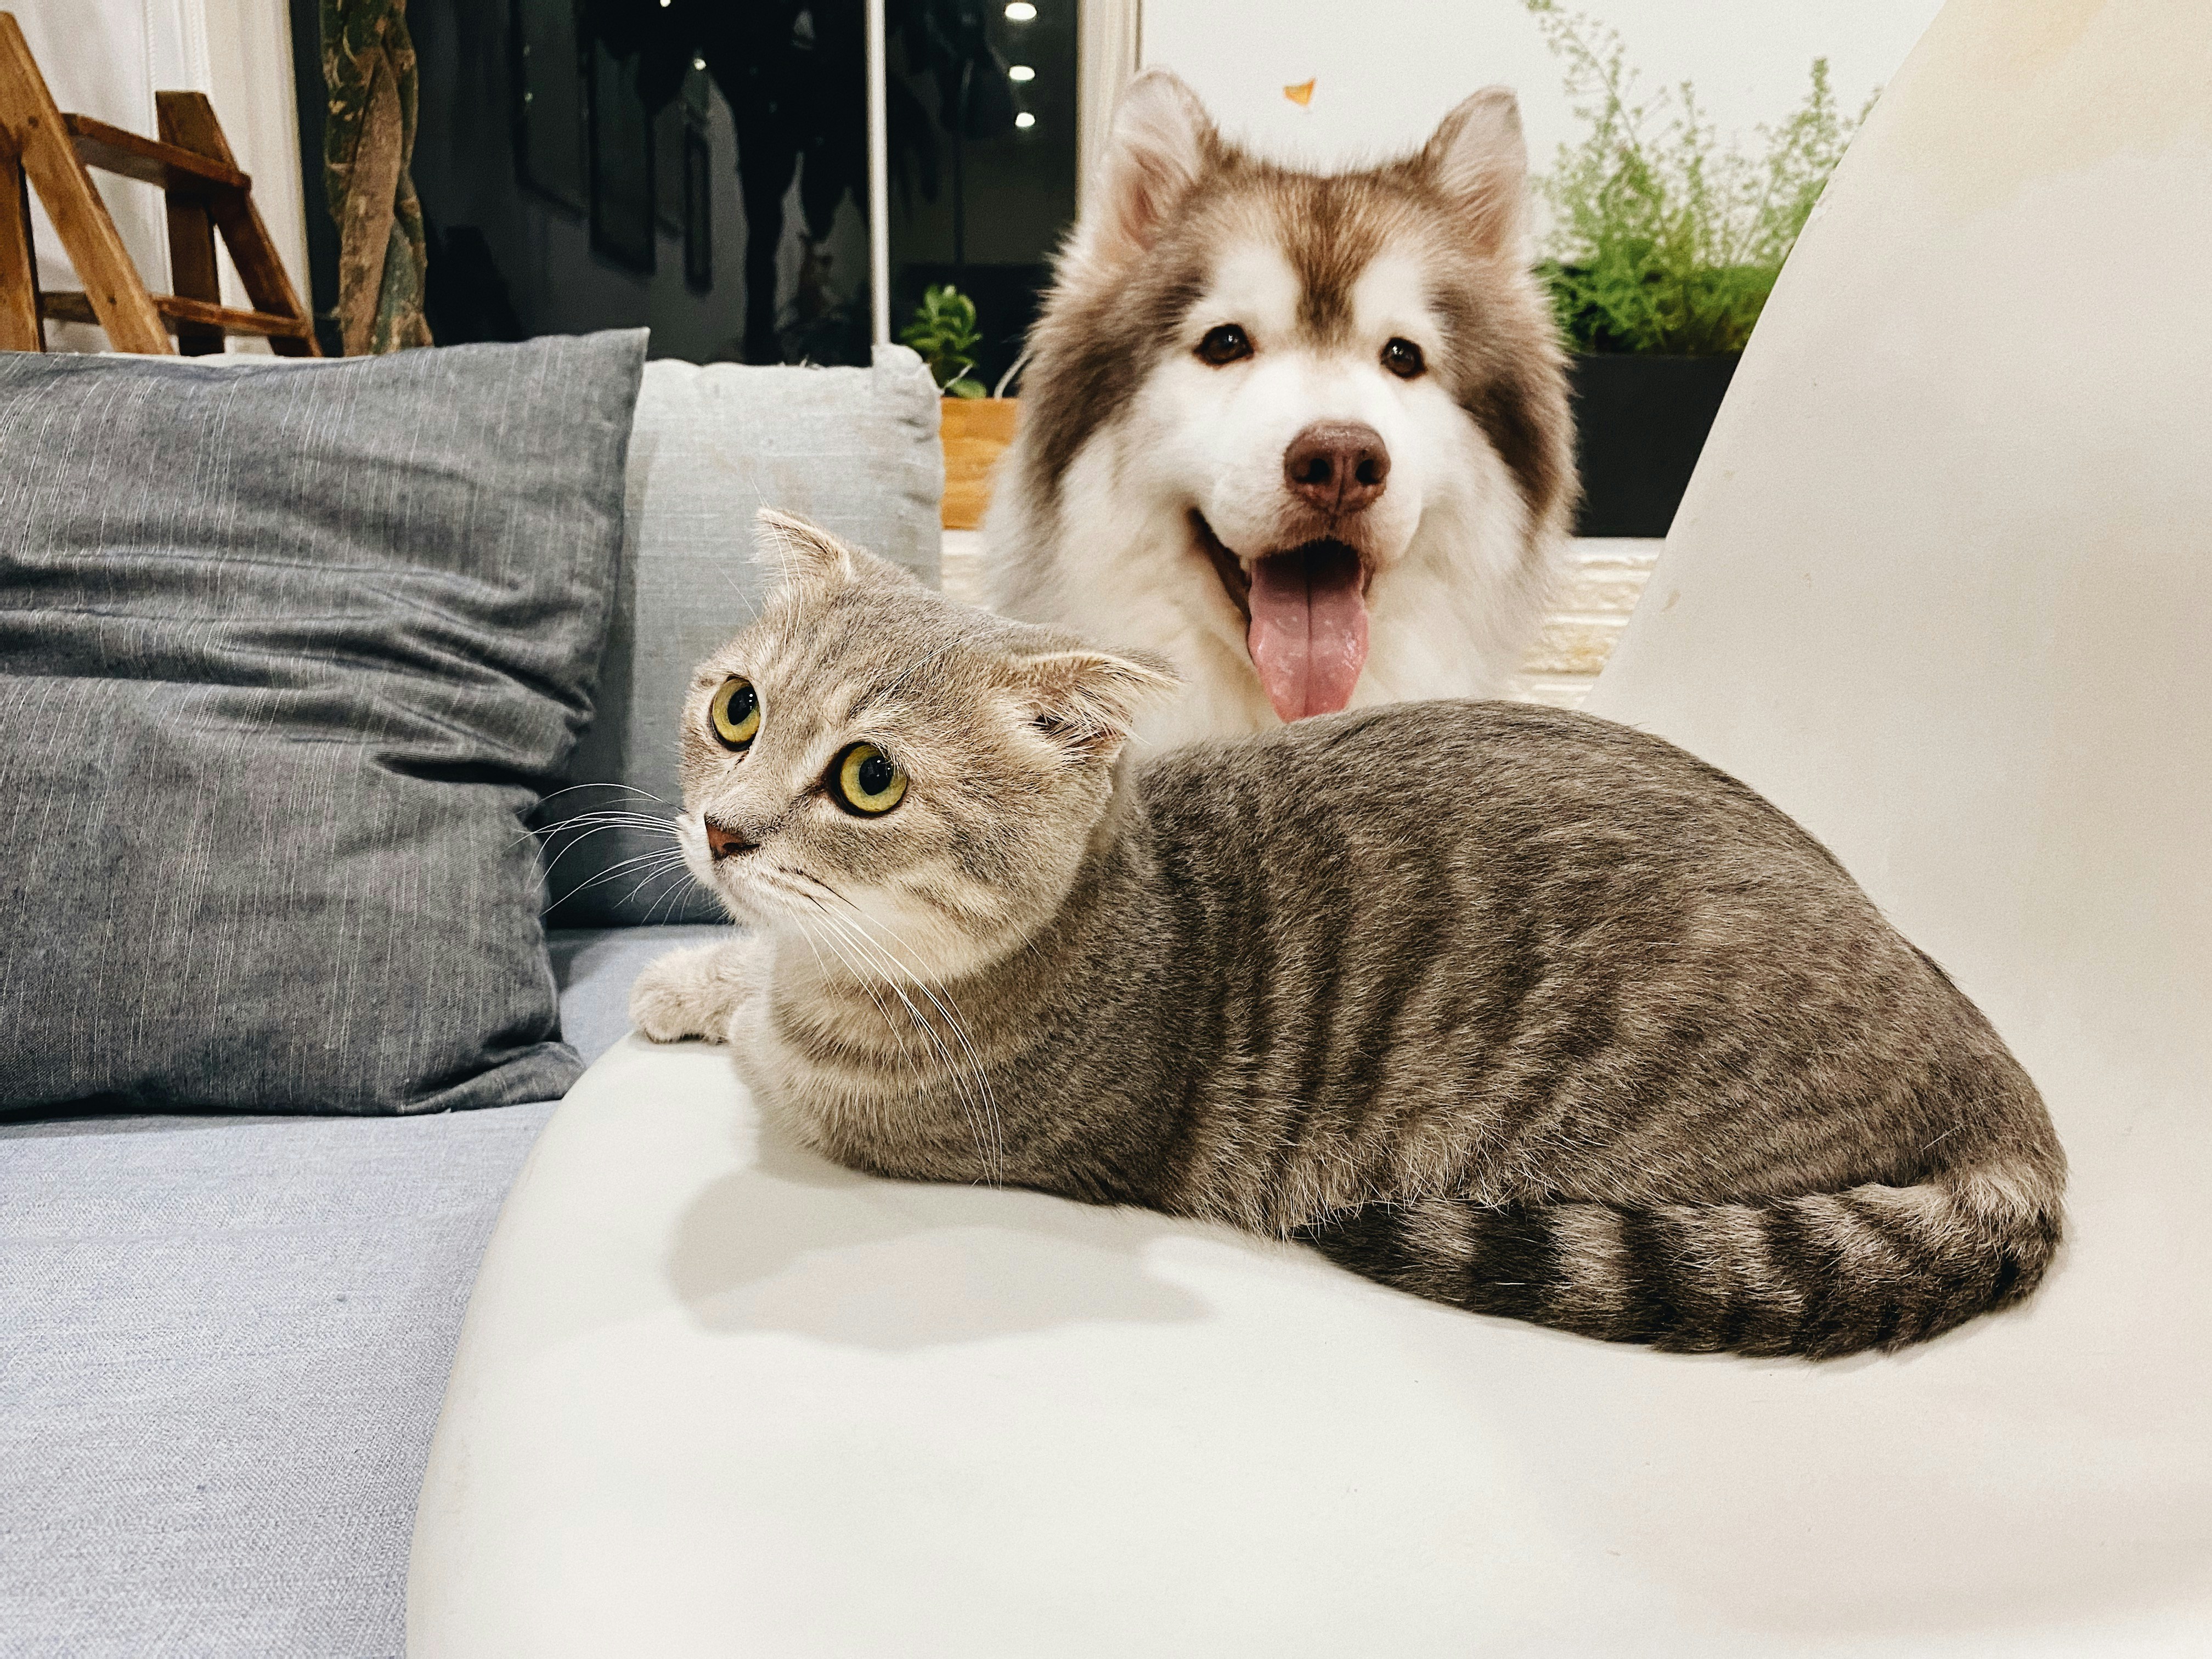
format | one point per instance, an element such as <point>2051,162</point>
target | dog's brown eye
<point>1224,345</point>
<point>1403,359</point>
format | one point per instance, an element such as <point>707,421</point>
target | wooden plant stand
<point>975,432</point>
<point>42,148</point>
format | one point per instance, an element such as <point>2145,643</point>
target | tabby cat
<point>1515,1009</point>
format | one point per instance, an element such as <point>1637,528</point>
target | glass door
<point>696,165</point>
<point>983,134</point>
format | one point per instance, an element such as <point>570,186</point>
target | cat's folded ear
<point>808,555</point>
<point>1087,701</point>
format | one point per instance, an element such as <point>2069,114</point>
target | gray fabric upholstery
<point>285,652</point>
<point>595,967</point>
<point>854,449</point>
<point>226,1339</point>
<point>226,1343</point>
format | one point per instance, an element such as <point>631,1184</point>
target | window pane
<point>698,168</point>
<point>983,159</point>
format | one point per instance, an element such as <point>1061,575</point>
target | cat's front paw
<point>686,994</point>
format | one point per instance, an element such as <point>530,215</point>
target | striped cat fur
<point>1511,1008</point>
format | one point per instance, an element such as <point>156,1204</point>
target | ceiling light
<point>698,63</point>
<point>1021,72</point>
<point>1026,120</point>
<point>1020,12</point>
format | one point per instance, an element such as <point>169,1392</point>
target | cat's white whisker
<point>546,832</point>
<point>630,788</point>
<point>971,1107</point>
<point>860,979</point>
<point>967,1104</point>
<point>554,863</point>
<point>661,860</point>
<point>996,1156</point>
<point>667,868</point>
<point>976,1100</point>
<point>607,815</point>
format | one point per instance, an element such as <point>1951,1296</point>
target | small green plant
<point>1662,238</point>
<point>943,329</point>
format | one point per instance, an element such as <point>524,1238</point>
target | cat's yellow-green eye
<point>867,781</point>
<point>735,713</point>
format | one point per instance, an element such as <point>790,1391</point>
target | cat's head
<point>889,773</point>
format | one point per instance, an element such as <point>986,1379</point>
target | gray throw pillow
<point>287,653</point>
<point>855,450</point>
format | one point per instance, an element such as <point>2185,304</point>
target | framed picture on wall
<point>549,101</point>
<point>668,167</point>
<point>621,163</point>
<point>698,211</point>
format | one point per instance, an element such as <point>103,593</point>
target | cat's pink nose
<point>723,843</point>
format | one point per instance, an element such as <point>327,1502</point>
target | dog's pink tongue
<point>1309,636</point>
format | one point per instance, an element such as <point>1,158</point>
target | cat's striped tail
<point>1819,1275</point>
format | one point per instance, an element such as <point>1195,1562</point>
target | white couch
<point>1942,588</point>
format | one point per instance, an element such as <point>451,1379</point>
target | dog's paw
<point>686,994</point>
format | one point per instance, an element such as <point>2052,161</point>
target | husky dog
<point>1304,435</point>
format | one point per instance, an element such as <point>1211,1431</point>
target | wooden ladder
<point>191,165</point>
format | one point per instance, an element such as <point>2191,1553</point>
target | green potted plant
<point>1663,244</point>
<point>974,427</point>
<point>943,331</point>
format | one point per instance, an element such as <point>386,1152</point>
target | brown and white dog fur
<point>1229,456</point>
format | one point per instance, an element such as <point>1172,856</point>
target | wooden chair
<point>192,164</point>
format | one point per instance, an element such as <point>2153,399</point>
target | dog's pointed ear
<point>1088,700</point>
<point>807,555</point>
<point>1162,141</point>
<point>1478,158</point>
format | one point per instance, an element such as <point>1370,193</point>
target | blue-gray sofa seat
<point>227,1340</point>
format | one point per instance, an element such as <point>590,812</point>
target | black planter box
<point>1639,423</point>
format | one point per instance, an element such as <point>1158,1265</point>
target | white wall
<point>108,58</point>
<point>1386,69</point>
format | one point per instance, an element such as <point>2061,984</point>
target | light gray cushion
<point>226,1343</point>
<point>855,450</point>
<point>285,653</point>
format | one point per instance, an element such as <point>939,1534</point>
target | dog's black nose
<point>1338,466</point>
<point>723,843</point>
